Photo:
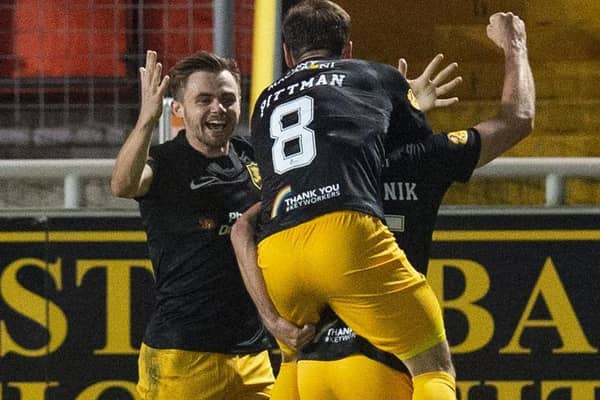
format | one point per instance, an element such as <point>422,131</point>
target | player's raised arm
<point>515,118</point>
<point>131,176</point>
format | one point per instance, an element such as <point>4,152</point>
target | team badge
<point>458,137</point>
<point>254,174</point>
<point>413,100</point>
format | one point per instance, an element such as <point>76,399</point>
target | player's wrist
<point>146,123</point>
<point>516,46</point>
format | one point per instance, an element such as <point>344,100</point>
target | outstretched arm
<point>242,238</point>
<point>515,118</point>
<point>428,88</point>
<point>131,177</point>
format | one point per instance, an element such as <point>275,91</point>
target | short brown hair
<point>199,61</point>
<point>315,25</point>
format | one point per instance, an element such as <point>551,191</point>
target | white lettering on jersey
<point>234,215</point>
<point>400,191</point>
<point>312,196</point>
<point>304,66</point>
<point>281,94</point>
<point>225,229</point>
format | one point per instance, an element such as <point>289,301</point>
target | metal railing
<point>554,170</point>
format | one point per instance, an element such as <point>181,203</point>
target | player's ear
<point>177,108</point>
<point>347,52</point>
<point>287,56</point>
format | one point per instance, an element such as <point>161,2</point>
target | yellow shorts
<point>179,374</point>
<point>351,262</point>
<point>355,377</point>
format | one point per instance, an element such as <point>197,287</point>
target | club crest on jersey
<point>458,137</point>
<point>412,99</point>
<point>254,174</point>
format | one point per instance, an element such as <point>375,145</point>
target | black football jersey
<point>318,135</point>
<point>201,301</point>
<point>415,181</point>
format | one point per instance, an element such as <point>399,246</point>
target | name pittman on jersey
<point>318,80</point>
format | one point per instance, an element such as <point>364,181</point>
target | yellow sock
<point>286,384</point>
<point>436,385</point>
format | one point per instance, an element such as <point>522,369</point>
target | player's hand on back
<point>429,89</point>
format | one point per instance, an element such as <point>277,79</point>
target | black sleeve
<point>408,123</point>
<point>155,160</point>
<point>442,157</point>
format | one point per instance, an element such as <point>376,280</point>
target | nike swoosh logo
<point>201,182</point>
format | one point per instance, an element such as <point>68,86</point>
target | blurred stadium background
<point>69,83</point>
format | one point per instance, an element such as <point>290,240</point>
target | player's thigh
<point>282,258</point>
<point>371,285</point>
<point>353,253</point>
<point>355,377</point>
<point>167,374</point>
<point>255,377</point>
<point>286,384</point>
<point>404,323</point>
<point>314,382</point>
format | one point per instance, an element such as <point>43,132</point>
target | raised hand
<point>153,89</point>
<point>507,31</point>
<point>429,91</point>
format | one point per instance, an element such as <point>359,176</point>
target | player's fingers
<point>307,333</point>
<point>449,86</point>
<point>150,62</point>
<point>494,20</point>
<point>494,17</point>
<point>432,66</point>
<point>164,85</point>
<point>445,73</point>
<point>156,77</point>
<point>309,330</point>
<point>402,66</point>
<point>441,103</point>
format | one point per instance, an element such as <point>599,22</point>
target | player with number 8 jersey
<point>319,134</point>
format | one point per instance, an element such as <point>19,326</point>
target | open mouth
<point>216,125</point>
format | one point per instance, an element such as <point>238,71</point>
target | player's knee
<point>436,385</point>
<point>437,358</point>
